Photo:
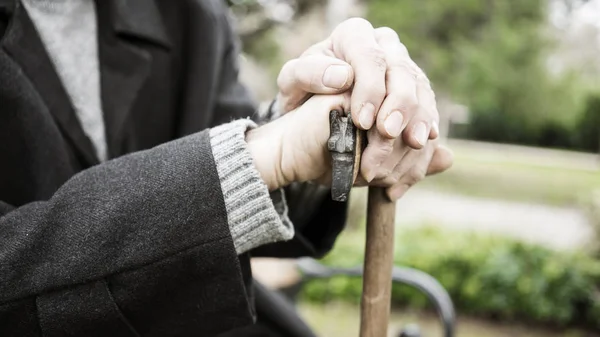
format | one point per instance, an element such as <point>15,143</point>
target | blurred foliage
<point>255,22</point>
<point>485,275</point>
<point>265,50</point>
<point>491,55</point>
<point>589,125</point>
<point>592,210</point>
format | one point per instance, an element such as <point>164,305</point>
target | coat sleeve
<point>317,219</point>
<point>142,240</point>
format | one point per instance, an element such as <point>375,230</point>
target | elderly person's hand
<point>293,148</point>
<point>391,97</point>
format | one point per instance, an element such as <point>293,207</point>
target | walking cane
<point>346,143</point>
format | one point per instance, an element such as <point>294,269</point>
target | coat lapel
<point>127,28</point>
<point>22,42</point>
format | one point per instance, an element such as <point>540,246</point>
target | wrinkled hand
<point>293,148</point>
<point>391,96</point>
<point>406,167</point>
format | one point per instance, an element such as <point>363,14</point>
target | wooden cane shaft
<point>378,264</point>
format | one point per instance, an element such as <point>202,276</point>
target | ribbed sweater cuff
<point>255,216</point>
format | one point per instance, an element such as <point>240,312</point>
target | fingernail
<point>366,115</point>
<point>420,133</point>
<point>336,76</point>
<point>393,124</point>
<point>370,176</point>
<point>436,128</point>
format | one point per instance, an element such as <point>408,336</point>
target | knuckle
<point>374,88</point>
<point>424,80</point>
<point>433,98</point>
<point>377,56</point>
<point>390,181</point>
<point>402,48</point>
<point>395,177</point>
<point>403,67</point>
<point>408,102</point>
<point>411,63</point>
<point>415,175</point>
<point>431,93</point>
<point>385,148</point>
<point>387,33</point>
<point>387,173</point>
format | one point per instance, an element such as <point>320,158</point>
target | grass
<point>519,174</point>
<point>342,320</point>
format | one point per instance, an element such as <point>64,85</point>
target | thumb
<point>313,74</point>
<point>441,161</point>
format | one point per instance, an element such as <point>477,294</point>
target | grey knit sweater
<point>68,31</point>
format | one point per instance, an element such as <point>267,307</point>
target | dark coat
<point>139,245</point>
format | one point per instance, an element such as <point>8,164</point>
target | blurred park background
<point>512,231</point>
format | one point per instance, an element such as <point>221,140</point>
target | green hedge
<point>485,275</point>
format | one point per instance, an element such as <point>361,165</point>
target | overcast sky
<point>587,13</point>
<point>590,13</point>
